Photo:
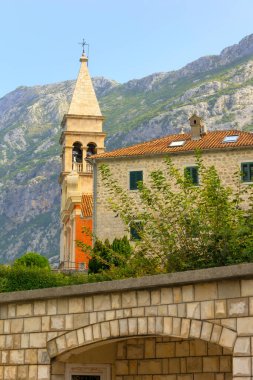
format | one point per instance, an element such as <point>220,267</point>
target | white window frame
<point>102,370</point>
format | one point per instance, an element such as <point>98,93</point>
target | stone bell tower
<point>81,137</point>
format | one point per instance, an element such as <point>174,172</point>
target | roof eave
<point>207,150</point>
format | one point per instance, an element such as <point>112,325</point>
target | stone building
<point>81,137</point>
<point>230,151</point>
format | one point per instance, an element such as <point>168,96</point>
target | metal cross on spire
<point>83,43</point>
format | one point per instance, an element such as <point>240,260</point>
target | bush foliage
<point>105,255</point>
<point>22,278</point>
<point>118,260</point>
<point>32,260</point>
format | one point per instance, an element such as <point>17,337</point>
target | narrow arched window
<point>77,152</point>
<point>91,149</point>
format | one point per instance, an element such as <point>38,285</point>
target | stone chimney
<point>197,127</point>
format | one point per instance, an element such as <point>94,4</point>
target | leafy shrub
<point>26,278</point>
<point>32,260</point>
<point>17,278</point>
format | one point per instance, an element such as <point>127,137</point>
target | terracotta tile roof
<point>210,140</point>
<point>86,205</point>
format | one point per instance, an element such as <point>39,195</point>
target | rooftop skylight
<point>230,139</point>
<point>177,143</point>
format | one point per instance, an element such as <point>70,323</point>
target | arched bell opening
<point>91,149</point>
<point>77,152</point>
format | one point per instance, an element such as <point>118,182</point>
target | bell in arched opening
<point>91,149</point>
<point>77,152</point>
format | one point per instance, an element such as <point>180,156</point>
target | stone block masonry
<point>160,358</point>
<point>193,325</point>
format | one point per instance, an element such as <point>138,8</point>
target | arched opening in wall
<point>91,149</point>
<point>155,358</point>
<point>77,152</point>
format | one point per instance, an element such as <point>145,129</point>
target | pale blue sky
<point>128,38</point>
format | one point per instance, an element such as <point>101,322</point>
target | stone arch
<point>142,326</point>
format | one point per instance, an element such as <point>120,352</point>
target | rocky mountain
<point>219,88</point>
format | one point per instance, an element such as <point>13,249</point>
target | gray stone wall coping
<point>148,282</point>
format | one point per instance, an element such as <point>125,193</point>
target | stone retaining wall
<point>41,328</point>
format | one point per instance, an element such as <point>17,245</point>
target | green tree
<point>106,256</point>
<point>99,257</point>
<point>32,260</point>
<point>185,226</point>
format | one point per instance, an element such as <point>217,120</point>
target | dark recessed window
<point>136,229</point>
<point>192,174</point>
<point>134,178</point>
<point>247,171</point>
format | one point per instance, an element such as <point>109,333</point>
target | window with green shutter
<point>136,229</point>
<point>135,177</point>
<point>191,172</point>
<point>247,171</point>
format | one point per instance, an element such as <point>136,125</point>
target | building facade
<point>229,151</point>
<point>81,137</point>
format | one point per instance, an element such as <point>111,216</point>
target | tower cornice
<point>86,117</point>
<point>80,133</point>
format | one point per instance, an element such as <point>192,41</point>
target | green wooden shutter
<point>251,172</point>
<point>195,175</point>
<point>247,171</point>
<point>191,172</point>
<point>135,230</point>
<point>132,180</point>
<point>135,177</point>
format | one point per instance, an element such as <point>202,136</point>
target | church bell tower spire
<point>82,136</point>
<point>84,101</point>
